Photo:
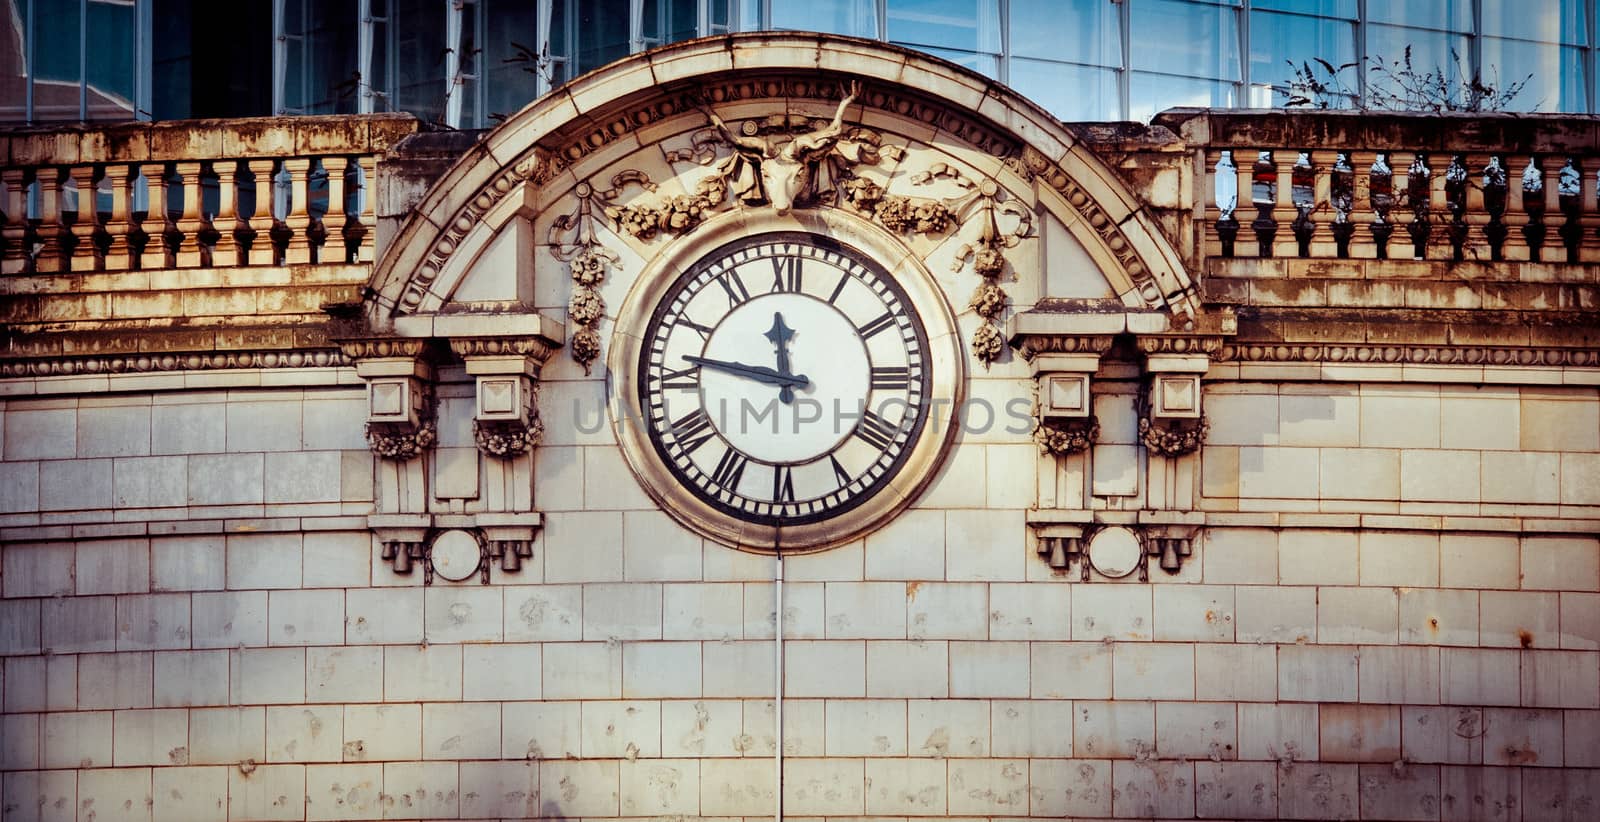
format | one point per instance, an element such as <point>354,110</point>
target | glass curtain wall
<point>73,60</point>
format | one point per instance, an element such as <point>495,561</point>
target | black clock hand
<point>780,335</point>
<point>758,373</point>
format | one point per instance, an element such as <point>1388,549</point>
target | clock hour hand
<point>779,336</point>
<point>758,373</point>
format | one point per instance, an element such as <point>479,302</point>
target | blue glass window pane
<point>1450,15</point>
<point>510,58</point>
<point>1196,40</point>
<point>1321,8</point>
<point>1430,50</point>
<point>1280,42</point>
<point>110,31</point>
<point>56,31</point>
<point>854,17</point>
<point>1083,31</point>
<point>1556,83</point>
<point>1551,21</point>
<point>1069,92</point>
<point>964,25</point>
<point>986,64</point>
<point>419,47</point>
<point>602,33</point>
<point>1150,94</point>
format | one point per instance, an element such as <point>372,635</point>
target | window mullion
<point>364,55</point>
<point>452,63</point>
<point>1361,54</point>
<point>1124,80</point>
<point>1242,29</point>
<point>279,56</point>
<point>83,60</point>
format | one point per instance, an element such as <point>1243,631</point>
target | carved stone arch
<point>548,149</point>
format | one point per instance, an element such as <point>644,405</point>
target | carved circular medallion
<point>794,387</point>
<point>1115,551</point>
<point>455,555</point>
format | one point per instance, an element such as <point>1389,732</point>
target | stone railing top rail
<point>1384,130</point>
<point>173,140</point>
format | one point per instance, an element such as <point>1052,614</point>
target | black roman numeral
<point>838,289</point>
<point>703,331</point>
<point>786,275</point>
<point>729,470</point>
<point>782,484</point>
<point>876,431</point>
<point>687,379</point>
<point>891,377</point>
<point>883,321</point>
<point>839,473</point>
<point>737,293</point>
<point>692,430</point>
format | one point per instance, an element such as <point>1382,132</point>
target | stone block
<point>1440,476</point>
<point>575,670</point>
<point>334,559</point>
<point>226,479</point>
<point>463,614</point>
<point>150,482</point>
<point>1360,733</point>
<point>1310,673</point>
<point>1531,477</point>
<point>905,786</point>
<point>867,727</point>
<point>1580,479</point>
<point>1400,558</point>
<point>302,476</point>
<point>738,669</point>
<point>19,487</point>
<point>19,741</point>
<point>1071,670</point>
<point>1317,557</point>
<point>425,790</point>
<point>803,722</point>
<point>734,787</point>
<point>227,736</point>
<point>346,674</point>
<point>1152,789</point>
<point>713,611</point>
<point>656,548</point>
<point>1559,420</point>
<point>305,617</point>
<point>114,431</point>
<point>383,616</point>
<point>1030,611</point>
<point>1399,675</point>
<point>622,611</point>
<point>989,669</point>
<point>463,730</point>
<point>115,794</point>
<point>985,546</point>
<point>1236,790</point>
<point>1284,732</point>
<point>79,624</point>
<point>1318,790</point>
<point>188,428</point>
<point>1430,616</point>
<point>948,728</point>
<point>1189,730</point>
<point>1366,616</point>
<point>1360,473</point>
<point>908,547</point>
<point>1580,621</point>
<point>1032,728</point>
<point>500,789</point>
<point>1330,417</point>
<point>124,680</point>
<point>75,485</point>
<point>421,673</point>
<point>543,613</point>
<point>1523,736</point>
<point>661,669</point>
<point>835,668</point>
<point>229,619</point>
<point>1552,563</point>
<point>195,563</point>
<point>1276,614</point>
<point>1244,673</point>
<point>1561,679</point>
<point>866,610</point>
<point>1486,417</point>
<point>1479,794</point>
<point>113,566</point>
<point>701,728</point>
<point>264,561</point>
<point>621,729</point>
<point>1557,796</point>
<point>75,740</point>
<point>803,610</point>
<point>938,610</point>
<point>1479,561</point>
<point>1195,613</point>
<point>1441,734</point>
<point>305,733</point>
<point>1153,671</point>
<point>660,786</point>
<point>37,569</point>
<point>1118,612</point>
<point>337,792</point>
<point>1273,472</point>
<point>1400,416</point>
<point>1244,556</point>
<point>1519,619</point>
<point>40,433</point>
<point>987,787</point>
<point>375,733</point>
<point>1470,676</point>
<point>199,792</point>
<point>268,676</point>
<point>190,678</point>
<point>264,425</point>
<point>1115,730</point>
<point>501,672</point>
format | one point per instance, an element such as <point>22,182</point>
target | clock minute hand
<point>758,373</point>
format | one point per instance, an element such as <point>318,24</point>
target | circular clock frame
<point>914,468</point>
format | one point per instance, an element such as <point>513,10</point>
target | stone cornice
<point>1401,354</point>
<point>62,366</point>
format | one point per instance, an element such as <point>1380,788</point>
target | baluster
<point>189,222</point>
<point>225,251</point>
<point>17,257</point>
<point>1569,198</point>
<point>361,228</point>
<point>82,226</point>
<point>1533,205</point>
<point>157,254</point>
<point>1303,196</point>
<point>298,218</point>
<point>118,225</point>
<point>1284,213</point>
<point>53,231</point>
<point>1494,203</point>
<point>334,249</point>
<point>262,220</point>
<point>1456,194</point>
<point>1264,195</point>
<point>1225,187</point>
<point>1380,193</point>
<point>1419,196</point>
<point>1341,196</point>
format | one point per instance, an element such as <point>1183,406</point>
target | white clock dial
<point>784,378</point>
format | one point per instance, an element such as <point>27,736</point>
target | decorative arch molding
<point>554,145</point>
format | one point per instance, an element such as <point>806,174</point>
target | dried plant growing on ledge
<point>1399,85</point>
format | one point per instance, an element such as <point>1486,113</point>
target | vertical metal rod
<point>777,665</point>
<point>364,55</point>
<point>83,60</point>
<point>30,47</point>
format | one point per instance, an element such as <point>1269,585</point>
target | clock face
<point>784,379</point>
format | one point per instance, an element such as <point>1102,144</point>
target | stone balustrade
<point>191,194</point>
<point>1403,187</point>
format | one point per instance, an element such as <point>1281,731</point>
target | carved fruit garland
<point>1058,438</point>
<point>573,241</point>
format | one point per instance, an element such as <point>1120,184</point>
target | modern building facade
<point>786,424</point>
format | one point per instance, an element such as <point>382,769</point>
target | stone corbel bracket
<point>1063,367</point>
<point>1172,422</point>
<point>1115,545</point>
<point>455,547</point>
<point>401,421</point>
<point>506,423</point>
